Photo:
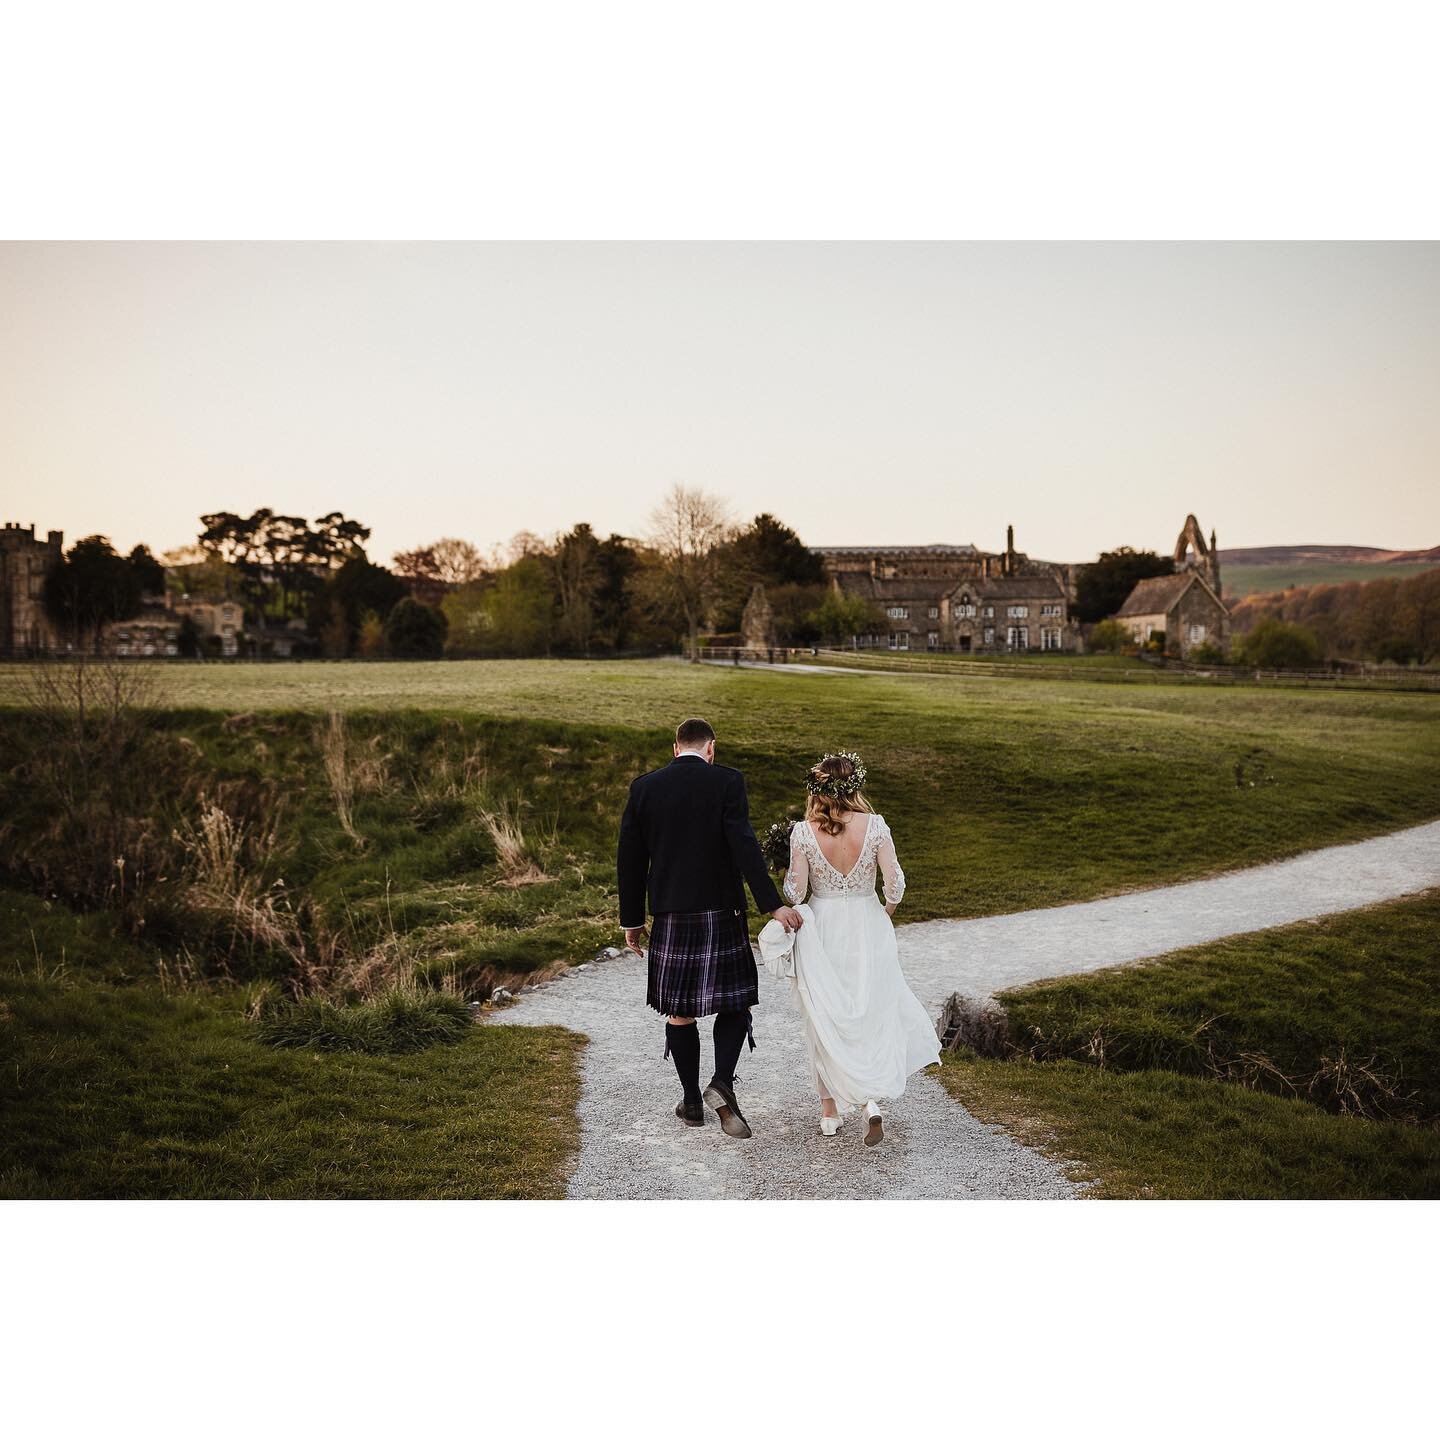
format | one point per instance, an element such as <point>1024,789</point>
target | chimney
<point>1009,550</point>
<point>56,539</point>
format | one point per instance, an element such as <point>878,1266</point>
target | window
<point>1019,637</point>
<point>1050,639</point>
<point>1197,634</point>
<point>1018,612</point>
<point>988,612</point>
<point>933,639</point>
<point>1050,611</point>
<point>899,612</point>
<point>989,634</point>
<point>899,639</point>
<point>934,612</point>
<point>965,610</point>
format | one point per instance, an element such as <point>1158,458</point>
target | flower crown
<point>835,787</point>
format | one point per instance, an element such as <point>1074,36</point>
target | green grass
<point>1146,1113</point>
<point>1255,579</point>
<point>1004,795</point>
<point>398,1022</point>
<point>112,1086</point>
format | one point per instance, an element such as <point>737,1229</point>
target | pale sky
<point>1089,394</point>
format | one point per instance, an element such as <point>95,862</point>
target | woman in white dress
<point>865,1031</point>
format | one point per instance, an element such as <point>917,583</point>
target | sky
<point>1089,394</point>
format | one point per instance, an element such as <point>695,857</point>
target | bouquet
<point>775,845</point>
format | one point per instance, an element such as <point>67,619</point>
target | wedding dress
<point>864,1029</point>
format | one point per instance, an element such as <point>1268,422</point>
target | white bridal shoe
<point>830,1124</point>
<point>875,1126</point>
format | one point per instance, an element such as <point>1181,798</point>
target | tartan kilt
<point>701,963</point>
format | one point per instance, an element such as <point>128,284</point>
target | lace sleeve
<point>797,877</point>
<point>893,875</point>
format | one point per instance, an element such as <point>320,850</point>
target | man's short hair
<point>691,734</point>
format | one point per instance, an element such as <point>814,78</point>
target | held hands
<point>634,939</point>
<point>792,920</point>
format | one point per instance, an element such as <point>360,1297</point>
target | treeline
<point>1387,621</point>
<point>687,580</point>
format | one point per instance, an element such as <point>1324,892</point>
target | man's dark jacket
<point>685,837</point>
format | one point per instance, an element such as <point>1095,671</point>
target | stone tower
<point>1193,553</point>
<point>25,629</point>
<point>757,625</point>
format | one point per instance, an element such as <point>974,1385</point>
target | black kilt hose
<point>701,963</point>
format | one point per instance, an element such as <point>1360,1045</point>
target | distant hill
<point>1301,554</point>
<point>1260,569</point>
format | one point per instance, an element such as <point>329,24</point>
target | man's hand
<point>634,939</point>
<point>792,920</point>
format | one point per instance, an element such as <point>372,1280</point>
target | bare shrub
<point>981,1024</point>
<point>224,862</point>
<point>349,770</point>
<point>518,864</point>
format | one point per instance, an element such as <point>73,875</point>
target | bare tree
<point>687,528</point>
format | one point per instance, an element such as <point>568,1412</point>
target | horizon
<point>485,390</point>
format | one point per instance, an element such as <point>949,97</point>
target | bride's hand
<point>890,910</point>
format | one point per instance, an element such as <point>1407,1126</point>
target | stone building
<point>154,632</point>
<point>957,597</point>
<point>215,617</point>
<point>25,629</point>
<point>1185,608</point>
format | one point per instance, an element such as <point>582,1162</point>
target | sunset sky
<point>1088,394</point>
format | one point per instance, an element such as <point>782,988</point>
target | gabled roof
<point>918,588</point>
<point>1016,587</point>
<point>1159,593</point>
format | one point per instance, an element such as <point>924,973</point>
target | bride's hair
<point>835,785</point>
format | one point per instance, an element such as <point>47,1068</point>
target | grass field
<point>455,827</point>
<point>1256,579</point>
<point>113,1085</point>
<point>1226,1071</point>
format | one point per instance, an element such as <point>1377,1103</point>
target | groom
<point>686,841</point>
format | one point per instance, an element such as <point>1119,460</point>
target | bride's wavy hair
<point>836,786</point>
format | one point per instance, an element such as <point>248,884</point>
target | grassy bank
<point>1301,1063</point>
<point>116,1083</point>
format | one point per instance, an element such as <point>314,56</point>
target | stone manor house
<point>957,597</point>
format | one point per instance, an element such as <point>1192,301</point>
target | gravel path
<point>633,1148</point>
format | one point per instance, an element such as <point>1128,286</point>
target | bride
<point>865,1032</point>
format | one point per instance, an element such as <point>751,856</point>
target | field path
<point>632,1147</point>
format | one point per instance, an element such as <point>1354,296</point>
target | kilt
<point>701,963</point>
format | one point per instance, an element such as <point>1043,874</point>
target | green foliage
<point>518,611</point>
<point>1109,637</point>
<point>149,572</point>
<point>839,616</point>
<point>768,552</point>
<point>414,631</point>
<point>1274,645</point>
<point>1102,586</point>
<point>188,638</point>
<point>359,586</point>
<point>1344,1013</point>
<point>398,1022</point>
<point>1206,654</point>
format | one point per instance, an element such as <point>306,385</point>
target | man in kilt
<point>686,845</point>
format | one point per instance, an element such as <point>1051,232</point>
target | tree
<point>372,636</point>
<point>519,610</point>
<point>577,577</point>
<point>1109,636</point>
<point>187,640</point>
<point>1275,645</point>
<point>440,566</point>
<point>149,572</point>
<point>88,587</point>
<point>766,552</point>
<point>687,529</point>
<point>1101,588</point>
<point>414,631</point>
<point>840,616</point>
